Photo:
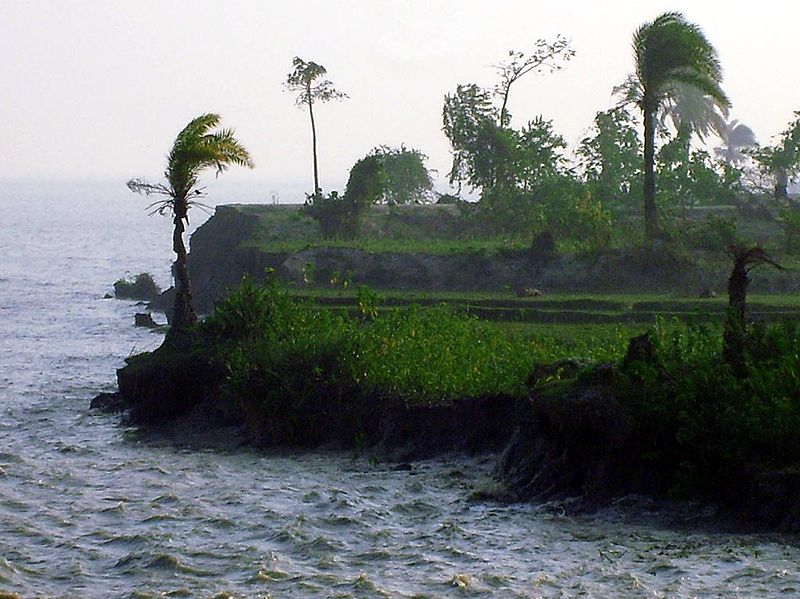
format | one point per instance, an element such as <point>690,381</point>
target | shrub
<point>700,424</point>
<point>142,288</point>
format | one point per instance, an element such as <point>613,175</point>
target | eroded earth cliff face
<point>222,251</point>
<point>236,241</point>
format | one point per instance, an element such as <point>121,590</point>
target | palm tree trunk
<point>734,333</point>
<point>184,314</point>
<point>313,144</point>
<point>650,212</point>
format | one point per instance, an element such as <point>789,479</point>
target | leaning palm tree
<point>735,137</point>
<point>196,148</point>
<point>671,54</point>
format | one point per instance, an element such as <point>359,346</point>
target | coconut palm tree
<point>196,148</point>
<point>735,136</point>
<point>670,55</point>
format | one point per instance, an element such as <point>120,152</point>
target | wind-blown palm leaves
<point>735,136</point>
<point>671,55</point>
<point>196,148</point>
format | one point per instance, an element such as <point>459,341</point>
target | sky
<point>96,90</point>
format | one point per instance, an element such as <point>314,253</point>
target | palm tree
<point>735,136</point>
<point>671,54</point>
<point>196,148</point>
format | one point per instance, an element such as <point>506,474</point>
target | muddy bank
<point>180,391</point>
<point>581,442</point>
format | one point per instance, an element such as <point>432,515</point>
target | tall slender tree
<point>197,147</point>
<point>670,54</point>
<point>306,80</point>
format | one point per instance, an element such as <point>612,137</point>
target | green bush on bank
<point>279,351</point>
<point>701,426</point>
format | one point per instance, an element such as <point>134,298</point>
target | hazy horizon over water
<point>91,508</point>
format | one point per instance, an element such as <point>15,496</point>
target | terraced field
<point>563,309</point>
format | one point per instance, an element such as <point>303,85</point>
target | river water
<point>92,509</point>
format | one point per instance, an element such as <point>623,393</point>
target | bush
<point>791,229</point>
<point>337,216</point>
<point>142,288</point>
<point>700,425</point>
<point>716,233</point>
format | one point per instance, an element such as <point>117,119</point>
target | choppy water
<point>91,509</point>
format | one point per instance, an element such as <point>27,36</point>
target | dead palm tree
<point>196,148</point>
<point>735,331</point>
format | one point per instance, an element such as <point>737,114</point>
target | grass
<point>630,311</point>
<point>379,245</point>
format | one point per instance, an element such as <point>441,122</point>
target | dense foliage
<point>278,349</point>
<point>701,423</point>
<point>406,178</point>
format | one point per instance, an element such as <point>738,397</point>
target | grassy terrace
<point>633,310</point>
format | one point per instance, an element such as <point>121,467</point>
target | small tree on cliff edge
<point>196,148</point>
<point>305,79</point>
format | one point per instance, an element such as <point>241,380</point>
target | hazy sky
<point>98,89</point>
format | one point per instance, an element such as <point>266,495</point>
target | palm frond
<point>196,148</point>
<point>677,68</point>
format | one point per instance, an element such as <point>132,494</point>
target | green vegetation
<point>781,161</point>
<point>406,178</point>
<point>196,148</point>
<point>289,369</point>
<point>419,354</point>
<point>704,426</point>
<point>142,287</point>
<point>530,183</point>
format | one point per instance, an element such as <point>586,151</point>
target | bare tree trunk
<point>734,334</point>
<point>650,212</point>
<point>314,144</point>
<point>184,314</point>
<point>503,113</point>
